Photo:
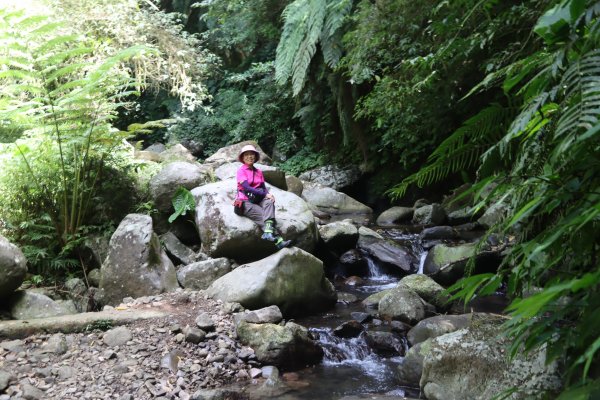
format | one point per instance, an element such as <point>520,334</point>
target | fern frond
<point>331,35</point>
<point>582,95</point>
<point>462,149</point>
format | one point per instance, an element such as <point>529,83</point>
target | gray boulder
<point>136,265</point>
<point>432,214</point>
<point>225,234</point>
<point>387,251</point>
<point>173,175</point>
<point>13,267</point>
<point>177,152</point>
<point>26,304</point>
<point>294,185</point>
<point>202,274</point>
<point>179,251</point>
<point>436,326</point>
<point>330,201</point>
<point>230,154</point>
<point>402,304</point>
<point>473,363</point>
<point>289,346</point>
<point>411,367</point>
<point>292,279</point>
<point>332,176</point>
<point>339,236</point>
<point>373,300</point>
<point>266,315</point>
<point>395,215</point>
<point>427,289</point>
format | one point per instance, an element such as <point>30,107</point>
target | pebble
<point>125,362</point>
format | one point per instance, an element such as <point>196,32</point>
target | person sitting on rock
<point>258,203</point>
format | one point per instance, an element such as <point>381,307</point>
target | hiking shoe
<point>283,243</point>
<point>268,236</point>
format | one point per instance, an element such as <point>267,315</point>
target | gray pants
<point>260,212</point>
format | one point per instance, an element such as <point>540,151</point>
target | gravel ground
<point>166,358</point>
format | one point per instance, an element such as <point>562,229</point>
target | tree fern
<point>462,149</point>
<point>306,23</point>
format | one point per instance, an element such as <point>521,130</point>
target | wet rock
<point>411,367</point>
<point>344,297</point>
<point>352,258</point>
<point>354,281</point>
<point>432,214</point>
<point>289,346</point>
<point>438,232</point>
<point>348,329</point>
<point>395,215</point>
<point>361,316</point>
<point>385,342</point>
<point>399,327</point>
<point>387,251</point>
<point>373,300</point>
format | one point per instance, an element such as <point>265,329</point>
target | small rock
<point>30,392</point>
<point>205,322</point>
<point>117,336</point>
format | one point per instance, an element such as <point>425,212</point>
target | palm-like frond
<point>462,149</point>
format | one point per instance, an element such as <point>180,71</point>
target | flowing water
<point>350,366</point>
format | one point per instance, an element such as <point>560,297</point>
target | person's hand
<point>270,197</point>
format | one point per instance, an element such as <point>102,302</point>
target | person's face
<point>249,157</point>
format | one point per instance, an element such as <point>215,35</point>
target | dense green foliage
<point>544,169</point>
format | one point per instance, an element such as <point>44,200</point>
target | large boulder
<point>292,279</point>
<point>200,275</point>
<point>289,346</point>
<point>136,264</point>
<point>473,363</point>
<point>13,267</point>
<point>225,234</point>
<point>230,154</point>
<point>177,152</point>
<point>332,176</point>
<point>387,251</point>
<point>173,175</point>
<point>272,175</point>
<point>332,202</point>
<point>26,304</point>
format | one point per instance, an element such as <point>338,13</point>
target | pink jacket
<point>254,177</point>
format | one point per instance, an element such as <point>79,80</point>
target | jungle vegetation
<point>423,95</point>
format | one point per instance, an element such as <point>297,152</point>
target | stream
<point>350,366</point>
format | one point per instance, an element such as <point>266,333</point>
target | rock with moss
<point>290,346</point>
<point>473,363</point>
<point>225,234</point>
<point>292,279</point>
<point>428,289</point>
<point>136,264</point>
<point>13,267</point>
<point>404,305</point>
<point>373,300</point>
<point>411,367</point>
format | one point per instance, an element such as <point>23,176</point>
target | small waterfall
<point>352,352</point>
<point>422,262</point>
<point>376,272</point>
